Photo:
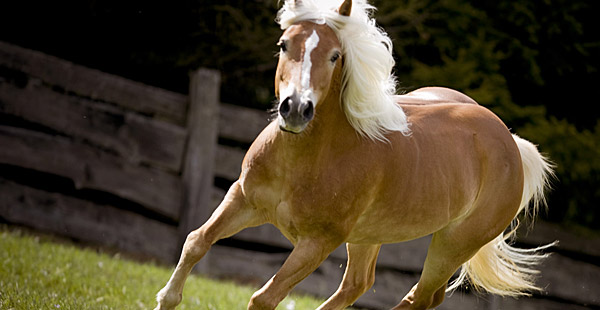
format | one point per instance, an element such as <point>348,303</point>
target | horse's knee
<point>196,245</point>
<point>196,238</point>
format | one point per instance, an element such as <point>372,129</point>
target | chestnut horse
<point>347,161</point>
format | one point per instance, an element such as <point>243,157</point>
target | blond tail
<point>498,267</point>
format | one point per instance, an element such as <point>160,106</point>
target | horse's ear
<point>345,8</point>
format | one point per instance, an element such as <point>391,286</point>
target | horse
<point>346,160</point>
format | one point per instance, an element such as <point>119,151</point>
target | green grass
<point>36,273</point>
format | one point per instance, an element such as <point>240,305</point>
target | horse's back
<point>443,109</point>
<point>448,124</point>
<point>434,95</point>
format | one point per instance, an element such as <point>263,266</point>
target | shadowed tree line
<point>534,62</point>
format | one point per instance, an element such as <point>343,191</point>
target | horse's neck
<point>330,124</point>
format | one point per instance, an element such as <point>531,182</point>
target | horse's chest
<point>277,205</point>
<point>298,203</point>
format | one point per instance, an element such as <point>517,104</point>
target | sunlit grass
<point>36,273</point>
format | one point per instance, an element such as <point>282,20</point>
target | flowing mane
<point>368,86</point>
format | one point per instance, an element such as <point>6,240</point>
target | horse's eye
<point>335,57</point>
<point>282,46</point>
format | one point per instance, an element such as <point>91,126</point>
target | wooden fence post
<point>199,158</point>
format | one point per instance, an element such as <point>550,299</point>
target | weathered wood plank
<point>570,279</point>
<point>257,268</point>
<point>198,175</point>
<point>248,266</point>
<point>389,288</point>
<point>546,232</point>
<point>264,234</point>
<point>407,256</point>
<point>216,197</point>
<point>498,303</point>
<point>91,168</point>
<point>134,137</point>
<point>240,123</point>
<point>86,221</point>
<point>95,84</point>
<point>228,162</point>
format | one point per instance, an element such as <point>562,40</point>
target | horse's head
<point>318,34</point>
<point>309,59</point>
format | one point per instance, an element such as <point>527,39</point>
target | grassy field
<point>37,273</point>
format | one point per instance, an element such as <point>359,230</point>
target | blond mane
<point>368,86</point>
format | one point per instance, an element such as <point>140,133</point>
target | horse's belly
<point>390,230</point>
<point>404,219</point>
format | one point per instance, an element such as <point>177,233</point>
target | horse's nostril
<point>284,107</point>
<point>309,111</point>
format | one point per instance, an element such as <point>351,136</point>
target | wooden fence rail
<point>103,159</point>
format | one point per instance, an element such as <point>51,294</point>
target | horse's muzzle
<point>295,113</point>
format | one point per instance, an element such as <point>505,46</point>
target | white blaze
<point>286,92</point>
<point>309,45</point>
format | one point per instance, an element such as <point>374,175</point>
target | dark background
<point>534,63</point>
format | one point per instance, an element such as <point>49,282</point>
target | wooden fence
<point>102,159</point>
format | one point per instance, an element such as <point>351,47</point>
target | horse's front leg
<point>358,278</point>
<point>307,255</point>
<point>232,215</point>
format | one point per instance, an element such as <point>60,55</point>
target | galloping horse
<point>348,161</point>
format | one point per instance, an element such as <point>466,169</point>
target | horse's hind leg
<point>446,253</point>
<point>230,217</point>
<point>358,278</point>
